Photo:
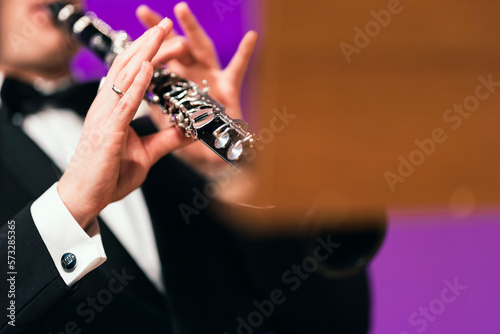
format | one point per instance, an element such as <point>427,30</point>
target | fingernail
<point>164,23</point>
<point>154,31</point>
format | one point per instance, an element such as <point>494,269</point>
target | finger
<point>127,106</point>
<point>107,99</point>
<point>163,142</point>
<point>141,45</point>
<point>126,77</point>
<point>124,57</point>
<point>150,18</point>
<point>238,65</point>
<point>200,44</point>
<point>174,48</point>
<point>147,16</point>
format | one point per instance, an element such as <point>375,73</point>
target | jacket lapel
<point>24,160</point>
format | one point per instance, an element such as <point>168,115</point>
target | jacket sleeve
<point>342,247</point>
<point>31,285</point>
<point>350,250</point>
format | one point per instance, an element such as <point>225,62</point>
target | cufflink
<point>68,262</point>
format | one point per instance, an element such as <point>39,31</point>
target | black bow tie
<point>21,98</point>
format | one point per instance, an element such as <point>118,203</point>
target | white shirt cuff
<point>62,234</point>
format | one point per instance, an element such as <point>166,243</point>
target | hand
<point>111,160</point>
<point>194,57</point>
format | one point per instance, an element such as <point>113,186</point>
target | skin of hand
<point>193,57</point>
<point>111,160</point>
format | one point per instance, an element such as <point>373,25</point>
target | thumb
<point>163,142</point>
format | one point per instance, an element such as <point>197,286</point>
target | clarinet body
<point>188,106</point>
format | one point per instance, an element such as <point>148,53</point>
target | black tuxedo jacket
<point>217,280</point>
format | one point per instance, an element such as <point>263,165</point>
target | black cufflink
<point>68,261</point>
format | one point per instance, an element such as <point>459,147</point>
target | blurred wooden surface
<point>353,120</point>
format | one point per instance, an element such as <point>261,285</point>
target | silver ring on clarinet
<point>117,90</point>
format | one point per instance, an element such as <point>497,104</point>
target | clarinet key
<point>235,151</point>
<point>222,136</point>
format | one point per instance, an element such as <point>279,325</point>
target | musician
<point>89,201</point>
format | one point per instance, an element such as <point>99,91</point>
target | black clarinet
<point>188,106</point>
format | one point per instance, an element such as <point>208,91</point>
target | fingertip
<point>181,9</point>
<point>141,14</point>
<point>181,6</point>
<point>158,32</point>
<point>252,34</point>
<point>147,16</point>
<point>141,9</point>
<point>166,24</point>
<point>249,41</point>
<point>146,65</point>
<point>251,37</point>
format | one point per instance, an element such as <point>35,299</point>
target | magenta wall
<point>422,255</point>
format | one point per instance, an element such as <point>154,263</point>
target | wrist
<point>77,206</point>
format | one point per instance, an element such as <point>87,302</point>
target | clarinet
<point>188,106</point>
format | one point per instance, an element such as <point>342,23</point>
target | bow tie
<point>22,98</point>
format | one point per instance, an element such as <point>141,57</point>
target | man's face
<point>29,40</point>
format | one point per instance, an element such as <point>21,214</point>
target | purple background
<point>420,252</point>
<point>423,250</point>
<point>225,30</point>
